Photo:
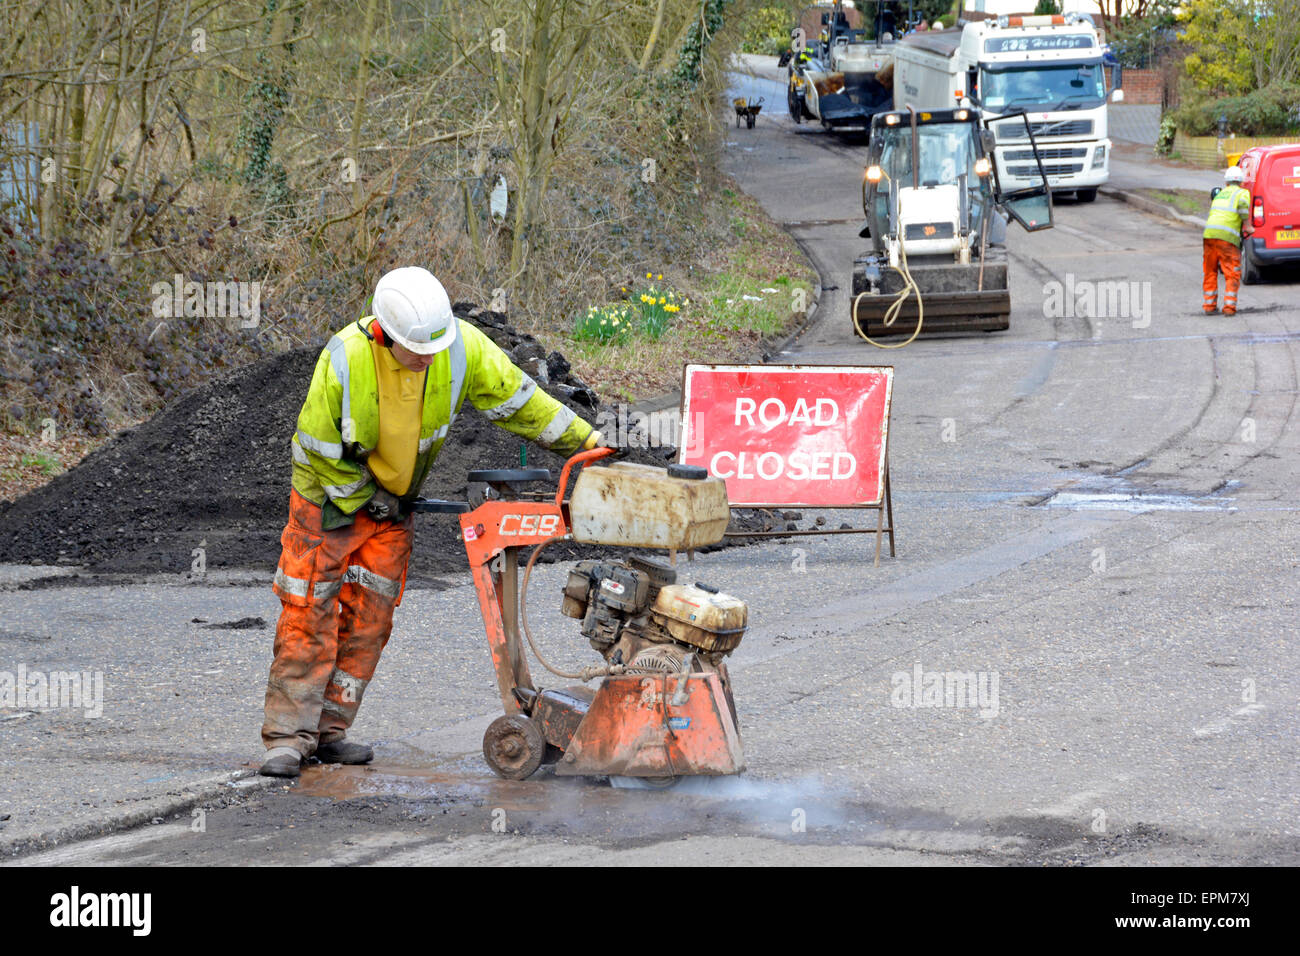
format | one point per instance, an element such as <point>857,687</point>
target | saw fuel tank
<point>643,506</point>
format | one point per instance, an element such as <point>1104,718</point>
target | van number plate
<point>1288,235</point>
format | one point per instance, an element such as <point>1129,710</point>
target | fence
<point>1206,150</point>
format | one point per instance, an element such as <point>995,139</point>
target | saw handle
<point>581,458</point>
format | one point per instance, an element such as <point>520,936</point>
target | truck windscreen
<point>1043,86</point>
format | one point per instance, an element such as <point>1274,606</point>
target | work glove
<point>596,440</point>
<point>384,506</point>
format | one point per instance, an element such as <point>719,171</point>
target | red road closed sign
<point>801,435</point>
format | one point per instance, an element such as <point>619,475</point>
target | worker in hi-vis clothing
<point>1221,242</point>
<point>384,393</point>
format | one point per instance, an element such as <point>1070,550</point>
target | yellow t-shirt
<point>401,402</point>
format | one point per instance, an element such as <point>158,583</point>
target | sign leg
<point>889,504</point>
<point>880,517</point>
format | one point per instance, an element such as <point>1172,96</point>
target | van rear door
<point>1278,184</point>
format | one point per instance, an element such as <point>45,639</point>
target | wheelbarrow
<point>747,110</point>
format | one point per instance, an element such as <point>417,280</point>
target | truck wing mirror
<point>972,84</point>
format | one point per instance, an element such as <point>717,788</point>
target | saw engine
<point>663,709</point>
<point>636,614</point>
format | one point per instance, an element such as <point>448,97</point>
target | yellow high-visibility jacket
<point>338,426</point>
<point>1229,209</point>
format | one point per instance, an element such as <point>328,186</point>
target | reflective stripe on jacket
<point>338,426</point>
<point>1228,211</point>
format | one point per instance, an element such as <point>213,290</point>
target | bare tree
<point>1274,40</point>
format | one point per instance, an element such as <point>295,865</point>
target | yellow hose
<point>891,314</point>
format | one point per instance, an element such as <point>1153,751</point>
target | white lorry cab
<point>1047,67</point>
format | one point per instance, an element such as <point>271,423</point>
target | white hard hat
<point>413,310</point>
<point>1234,174</point>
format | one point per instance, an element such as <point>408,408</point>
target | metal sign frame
<point>883,505</point>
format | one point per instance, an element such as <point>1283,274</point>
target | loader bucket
<point>656,725</point>
<point>836,109</point>
<point>953,299</point>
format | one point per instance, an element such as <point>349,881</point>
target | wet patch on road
<point>396,812</point>
<point>1115,493</point>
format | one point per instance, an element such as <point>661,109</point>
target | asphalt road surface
<point>1096,512</point>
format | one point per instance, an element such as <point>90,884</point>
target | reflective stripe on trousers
<point>337,589</point>
<point>1219,255</point>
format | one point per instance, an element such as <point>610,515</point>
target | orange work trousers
<point>1219,255</point>
<point>338,589</point>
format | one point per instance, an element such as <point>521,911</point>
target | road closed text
<point>798,465</point>
<point>802,415</point>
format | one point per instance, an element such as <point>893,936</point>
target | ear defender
<point>377,331</point>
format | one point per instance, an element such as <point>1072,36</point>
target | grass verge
<point>750,291</point>
<point>1192,202</point>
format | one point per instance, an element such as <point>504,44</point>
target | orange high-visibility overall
<point>1220,255</point>
<point>338,589</point>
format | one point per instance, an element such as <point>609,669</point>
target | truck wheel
<point>1249,267</point>
<point>795,105</point>
<point>1086,195</point>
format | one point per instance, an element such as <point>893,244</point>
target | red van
<point>1273,178</point>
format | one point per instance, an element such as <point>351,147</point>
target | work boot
<point>340,751</point>
<point>1229,311</point>
<point>281,762</point>
<point>1210,311</point>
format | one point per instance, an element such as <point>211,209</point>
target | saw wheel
<point>514,746</point>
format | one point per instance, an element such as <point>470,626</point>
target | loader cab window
<point>946,154</point>
<point>1043,86</point>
